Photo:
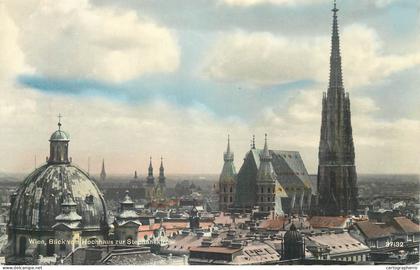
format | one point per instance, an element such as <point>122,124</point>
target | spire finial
<point>253,141</point>
<point>59,121</point>
<point>228,146</point>
<point>335,9</point>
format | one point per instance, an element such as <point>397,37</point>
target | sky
<point>140,78</point>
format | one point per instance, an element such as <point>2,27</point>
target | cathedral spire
<point>103,173</point>
<point>228,156</point>
<point>336,77</point>
<point>266,153</point>
<point>337,177</point>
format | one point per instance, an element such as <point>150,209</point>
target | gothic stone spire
<point>336,171</point>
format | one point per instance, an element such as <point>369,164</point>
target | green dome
<point>60,135</point>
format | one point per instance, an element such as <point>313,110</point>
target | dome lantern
<point>59,145</point>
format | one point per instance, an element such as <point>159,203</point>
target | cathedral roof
<point>40,199</point>
<point>288,166</point>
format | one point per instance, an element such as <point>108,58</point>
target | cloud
<point>382,146</point>
<point>73,39</point>
<point>274,2</point>
<point>384,3</point>
<point>265,59</point>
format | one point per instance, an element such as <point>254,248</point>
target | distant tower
<point>266,184</point>
<point>337,178</point>
<point>150,177</point>
<point>227,180</point>
<point>103,173</point>
<point>150,182</point>
<point>194,218</point>
<point>160,192</point>
<point>135,175</point>
<point>162,177</point>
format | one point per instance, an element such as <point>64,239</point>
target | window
<point>268,190</point>
<point>231,189</point>
<point>262,190</point>
<point>230,199</point>
<point>145,237</point>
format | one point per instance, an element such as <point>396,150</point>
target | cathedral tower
<point>227,180</point>
<point>337,178</point>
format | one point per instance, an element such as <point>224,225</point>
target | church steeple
<point>161,172</point>
<point>265,156</point>
<point>150,177</point>
<point>336,171</point>
<point>227,180</point>
<point>103,173</point>
<point>336,76</point>
<point>266,183</point>
<point>228,155</point>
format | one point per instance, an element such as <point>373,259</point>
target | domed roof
<point>292,235</point>
<point>60,135</point>
<point>39,199</point>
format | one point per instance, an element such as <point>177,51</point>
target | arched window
<point>145,237</point>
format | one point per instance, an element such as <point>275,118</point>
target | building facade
<point>337,177</point>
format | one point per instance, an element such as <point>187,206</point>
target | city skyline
<point>193,86</point>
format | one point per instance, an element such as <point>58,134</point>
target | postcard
<point>209,132</point>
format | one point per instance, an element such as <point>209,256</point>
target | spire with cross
<point>59,121</point>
